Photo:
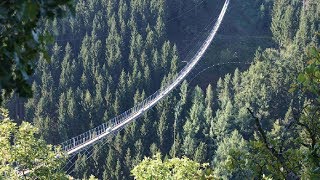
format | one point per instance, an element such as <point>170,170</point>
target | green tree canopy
<point>176,168</point>
<point>21,40</point>
<point>22,154</point>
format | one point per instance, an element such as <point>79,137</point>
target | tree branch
<point>268,145</point>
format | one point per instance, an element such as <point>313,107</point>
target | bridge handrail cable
<point>100,132</point>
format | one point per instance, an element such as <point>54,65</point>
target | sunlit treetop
<point>22,154</point>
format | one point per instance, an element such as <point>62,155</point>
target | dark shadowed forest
<point>250,108</point>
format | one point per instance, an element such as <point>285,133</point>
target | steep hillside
<point>112,54</point>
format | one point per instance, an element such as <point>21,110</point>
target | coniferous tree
<point>67,69</point>
<point>62,117</point>
<point>283,19</point>
<point>233,146</point>
<point>113,45</point>
<point>194,124</point>
<point>163,131</point>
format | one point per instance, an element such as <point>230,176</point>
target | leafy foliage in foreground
<point>21,41</point>
<point>22,154</point>
<point>175,169</point>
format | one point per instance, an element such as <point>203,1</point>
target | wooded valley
<point>249,110</point>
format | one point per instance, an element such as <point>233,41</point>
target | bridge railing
<point>93,133</point>
<point>90,137</point>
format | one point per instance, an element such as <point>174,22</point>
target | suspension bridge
<point>93,136</point>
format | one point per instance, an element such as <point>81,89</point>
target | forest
<point>249,110</point>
